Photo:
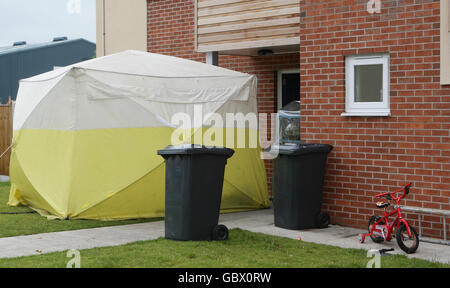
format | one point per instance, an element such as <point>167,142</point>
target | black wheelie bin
<point>194,182</point>
<point>297,186</point>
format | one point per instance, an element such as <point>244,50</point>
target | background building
<point>24,60</point>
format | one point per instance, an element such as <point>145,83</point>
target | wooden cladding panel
<point>245,6</point>
<point>243,24</point>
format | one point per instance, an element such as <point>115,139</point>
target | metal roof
<point>24,61</point>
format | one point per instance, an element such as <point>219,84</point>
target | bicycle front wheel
<point>406,243</point>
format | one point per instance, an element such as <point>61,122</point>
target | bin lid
<point>189,149</point>
<point>303,148</point>
<point>291,110</point>
<point>293,106</point>
<point>289,114</point>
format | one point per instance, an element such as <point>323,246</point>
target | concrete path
<point>256,221</point>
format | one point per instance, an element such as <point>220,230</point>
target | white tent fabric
<point>81,122</point>
<point>159,84</point>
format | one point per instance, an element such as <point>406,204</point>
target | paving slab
<point>260,221</point>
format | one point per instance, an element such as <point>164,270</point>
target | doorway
<point>288,87</point>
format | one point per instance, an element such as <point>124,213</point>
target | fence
<point>6,115</point>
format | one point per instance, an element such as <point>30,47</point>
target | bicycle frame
<point>398,219</point>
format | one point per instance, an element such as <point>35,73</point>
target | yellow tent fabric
<point>86,136</point>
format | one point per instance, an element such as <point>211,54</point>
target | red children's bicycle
<point>380,230</point>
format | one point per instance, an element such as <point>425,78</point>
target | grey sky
<point>37,21</point>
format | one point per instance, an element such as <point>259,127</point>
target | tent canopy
<point>86,135</point>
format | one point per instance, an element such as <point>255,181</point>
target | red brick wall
<point>377,154</point>
<point>170,28</point>
<point>171,32</point>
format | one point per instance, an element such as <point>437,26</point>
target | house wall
<point>372,154</point>
<point>121,25</point>
<point>377,154</point>
<point>171,31</point>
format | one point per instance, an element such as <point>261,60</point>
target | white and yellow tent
<point>86,136</point>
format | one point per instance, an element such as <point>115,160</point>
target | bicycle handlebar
<point>389,194</point>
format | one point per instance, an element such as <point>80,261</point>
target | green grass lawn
<point>243,249</point>
<point>26,224</point>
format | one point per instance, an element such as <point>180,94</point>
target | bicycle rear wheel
<point>372,221</point>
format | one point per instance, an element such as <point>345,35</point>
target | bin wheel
<point>323,220</point>
<point>220,233</point>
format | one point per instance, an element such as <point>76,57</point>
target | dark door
<point>290,90</point>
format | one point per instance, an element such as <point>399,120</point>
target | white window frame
<point>353,108</point>
<point>280,84</point>
<point>445,42</point>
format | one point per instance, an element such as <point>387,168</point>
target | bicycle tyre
<point>399,238</point>
<point>374,219</point>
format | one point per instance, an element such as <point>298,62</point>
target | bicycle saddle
<point>383,204</point>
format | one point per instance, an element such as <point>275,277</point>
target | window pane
<point>369,83</point>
